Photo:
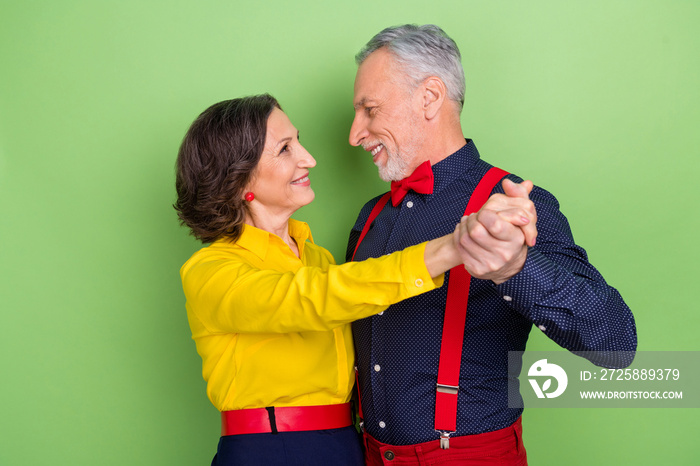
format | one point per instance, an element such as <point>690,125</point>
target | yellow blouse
<point>273,329</point>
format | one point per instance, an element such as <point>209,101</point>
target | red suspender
<point>372,215</point>
<point>453,326</point>
<point>455,316</point>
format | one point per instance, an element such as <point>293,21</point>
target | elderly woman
<point>269,310</point>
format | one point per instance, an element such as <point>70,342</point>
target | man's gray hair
<point>423,51</point>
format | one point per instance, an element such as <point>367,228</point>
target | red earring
<point>249,196</point>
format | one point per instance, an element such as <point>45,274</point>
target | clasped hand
<point>493,242</point>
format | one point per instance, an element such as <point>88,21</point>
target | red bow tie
<point>421,181</point>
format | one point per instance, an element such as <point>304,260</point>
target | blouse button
<point>542,327</point>
<point>409,204</point>
<point>377,368</point>
<point>419,282</point>
<point>508,298</point>
<point>382,424</point>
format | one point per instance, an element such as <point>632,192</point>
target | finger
<point>515,216</point>
<point>487,254</point>
<point>528,185</point>
<point>469,251</point>
<point>475,237</point>
<point>475,259</point>
<point>519,217</point>
<point>501,226</point>
<point>517,189</point>
<point>502,202</point>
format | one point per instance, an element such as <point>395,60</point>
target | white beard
<point>396,167</point>
<point>398,163</point>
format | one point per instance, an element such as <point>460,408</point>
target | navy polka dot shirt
<point>558,291</point>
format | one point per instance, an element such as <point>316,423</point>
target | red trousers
<point>502,447</point>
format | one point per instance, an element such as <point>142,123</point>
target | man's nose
<point>358,130</point>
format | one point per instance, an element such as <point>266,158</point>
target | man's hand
<point>493,242</point>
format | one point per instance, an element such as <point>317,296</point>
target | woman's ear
<point>434,94</point>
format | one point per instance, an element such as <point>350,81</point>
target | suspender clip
<point>445,440</point>
<point>449,389</point>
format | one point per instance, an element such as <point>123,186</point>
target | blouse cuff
<point>415,274</point>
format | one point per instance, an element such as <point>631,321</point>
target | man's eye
<point>370,110</point>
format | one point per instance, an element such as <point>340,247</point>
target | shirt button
<point>389,455</point>
<point>382,424</point>
<point>419,282</point>
<point>508,298</point>
<point>381,313</point>
<point>409,204</point>
<point>542,327</point>
<point>377,368</point>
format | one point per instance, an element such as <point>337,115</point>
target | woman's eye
<point>285,148</point>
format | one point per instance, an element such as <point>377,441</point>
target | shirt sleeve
<point>566,297</point>
<point>232,296</point>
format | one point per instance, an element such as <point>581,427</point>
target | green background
<point>597,101</point>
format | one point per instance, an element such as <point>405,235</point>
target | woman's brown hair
<point>215,163</point>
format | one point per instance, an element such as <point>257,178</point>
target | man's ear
<point>434,95</point>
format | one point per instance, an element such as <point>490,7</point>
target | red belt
<point>285,419</point>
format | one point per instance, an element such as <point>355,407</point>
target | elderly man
<point>434,381</point>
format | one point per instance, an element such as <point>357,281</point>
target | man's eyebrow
<point>361,103</point>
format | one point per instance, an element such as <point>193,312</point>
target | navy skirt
<point>336,447</point>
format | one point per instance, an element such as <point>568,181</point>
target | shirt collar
<point>452,167</point>
<point>301,232</point>
<point>258,241</point>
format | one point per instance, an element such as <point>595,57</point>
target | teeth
<point>376,150</point>
<point>301,180</point>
